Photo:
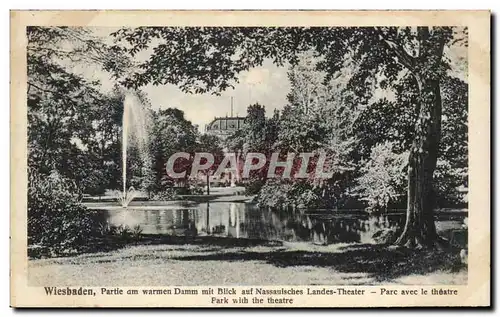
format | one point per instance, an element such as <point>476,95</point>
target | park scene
<point>247,155</point>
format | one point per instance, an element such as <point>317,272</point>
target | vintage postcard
<point>250,159</point>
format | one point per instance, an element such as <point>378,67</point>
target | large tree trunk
<point>420,230</point>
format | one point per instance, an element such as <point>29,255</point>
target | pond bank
<point>217,194</point>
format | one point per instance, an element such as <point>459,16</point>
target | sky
<point>268,85</point>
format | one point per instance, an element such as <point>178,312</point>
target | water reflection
<point>239,220</point>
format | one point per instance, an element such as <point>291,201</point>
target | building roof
<point>221,123</point>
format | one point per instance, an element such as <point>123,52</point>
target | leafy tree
<point>257,135</point>
<point>452,166</point>
<point>418,53</point>
<point>255,130</point>
<point>235,141</point>
<point>319,119</point>
<point>211,144</point>
<point>170,133</point>
<point>382,178</point>
<point>73,126</point>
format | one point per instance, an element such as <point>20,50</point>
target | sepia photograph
<point>177,157</point>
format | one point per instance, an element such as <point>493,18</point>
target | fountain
<point>133,128</point>
<point>126,196</point>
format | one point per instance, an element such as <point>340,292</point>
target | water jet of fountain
<point>125,123</point>
<point>133,124</point>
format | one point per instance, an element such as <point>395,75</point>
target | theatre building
<point>223,127</point>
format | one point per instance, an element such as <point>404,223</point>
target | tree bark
<point>420,229</point>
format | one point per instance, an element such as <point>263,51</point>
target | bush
<point>254,186</point>
<point>184,190</point>
<point>125,234</point>
<point>448,180</point>
<point>168,193</point>
<point>195,190</point>
<point>283,195</point>
<point>383,177</point>
<point>57,222</point>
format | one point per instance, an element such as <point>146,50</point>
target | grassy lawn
<point>224,261</point>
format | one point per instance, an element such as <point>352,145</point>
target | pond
<point>247,221</point>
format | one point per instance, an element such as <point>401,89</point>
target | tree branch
<point>64,97</point>
<point>44,90</point>
<point>402,56</point>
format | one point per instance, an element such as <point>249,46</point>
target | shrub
<point>254,186</point>
<point>283,195</point>
<point>136,232</point>
<point>275,195</point>
<point>57,222</point>
<point>382,177</point>
<point>168,193</point>
<point>124,234</point>
<point>183,190</point>
<point>196,190</point>
<point>448,180</point>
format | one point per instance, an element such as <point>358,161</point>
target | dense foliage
<point>384,104</point>
<point>57,223</point>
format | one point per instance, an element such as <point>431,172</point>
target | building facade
<point>222,127</point>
